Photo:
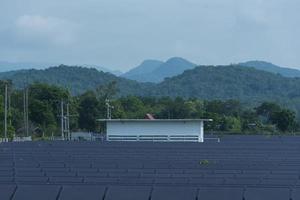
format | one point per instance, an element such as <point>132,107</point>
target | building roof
<point>154,120</point>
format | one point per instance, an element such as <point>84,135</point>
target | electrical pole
<point>108,109</point>
<point>26,118</point>
<point>27,112</point>
<point>5,114</point>
<point>68,122</point>
<point>24,111</point>
<point>62,119</point>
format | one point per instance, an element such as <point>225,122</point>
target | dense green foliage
<point>205,82</point>
<point>248,85</point>
<point>229,115</point>
<point>77,79</point>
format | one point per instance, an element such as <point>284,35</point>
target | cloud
<point>123,33</point>
<point>41,29</point>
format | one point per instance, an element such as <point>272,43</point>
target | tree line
<point>229,116</point>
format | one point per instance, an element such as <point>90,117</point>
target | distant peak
<point>259,61</point>
<point>179,60</point>
<point>150,61</point>
<point>176,59</point>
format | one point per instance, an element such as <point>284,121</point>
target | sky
<point>120,34</point>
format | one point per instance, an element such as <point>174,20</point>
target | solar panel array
<point>238,168</point>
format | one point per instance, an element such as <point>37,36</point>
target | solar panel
<point>128,193</point>
<point>220,193</point>
<point>101,180</point>
<point>66,180</point>
<point>296,194</point>
<point>82,192</point>
<point>7,179</point>
<point>267,194</point>
<point>36,192</point>
<point>174,193</point>
<point>29,180</point>
<point>6,191</point>
<point>264,166</point>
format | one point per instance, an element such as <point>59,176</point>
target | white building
<point>172,130</point>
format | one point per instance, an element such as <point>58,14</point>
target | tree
<point>284,120</point>
<point>267,109</point>
<point>88,111</point>
<point>107,91</point>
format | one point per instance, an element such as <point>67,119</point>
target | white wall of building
<point>173,130</point>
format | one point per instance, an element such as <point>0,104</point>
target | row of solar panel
<point>136,174</point>
<point>151,181</point>
<point>52,192</point>
<point>141,172</point>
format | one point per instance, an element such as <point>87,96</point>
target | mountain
<point>77,79</point>
<point>104,69</point>
<point>13,66</point>
<point>269,67</point>
<point>247,84</point>
<point>226,82</point>
<point>156,71</point>
<point>141,72</point>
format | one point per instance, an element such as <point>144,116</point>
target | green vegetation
<point>238,99</point>
<point>230,116</point>
<point>77,79</point>
<point>204,162</point>
<point>248,85</point>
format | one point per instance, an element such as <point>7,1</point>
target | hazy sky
<point>119,34</point>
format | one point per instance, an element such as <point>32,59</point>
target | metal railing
<point>154,138</point>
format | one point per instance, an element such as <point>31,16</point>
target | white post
<point>201,135</point>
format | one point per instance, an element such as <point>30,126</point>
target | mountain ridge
<point>156,71</point>
<point>270,67</point>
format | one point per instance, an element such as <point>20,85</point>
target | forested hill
<point>229,82</point>
<point>269,67</point>
<point>205,82</point>
<point>77,79</point>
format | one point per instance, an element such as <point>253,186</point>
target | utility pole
<point>108,108</point>
<point>26,118</point>
<point>62,119</point>
<point>24,111</point>
<point>27,112</point>
<point>68,122</point>
<point>5,114</point>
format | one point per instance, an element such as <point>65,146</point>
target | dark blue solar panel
<point>6,191</point>
<point>66,180</point>
<point>220,193</point>
<point>245,162</point>
<point>128,193</point>
<point>82,192</point>
<point>30,180</point>
<point>296,193</point>
<point>174,193</point>
<point>36,192</point>
<point>6,179</point>
<point>267,194</point>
